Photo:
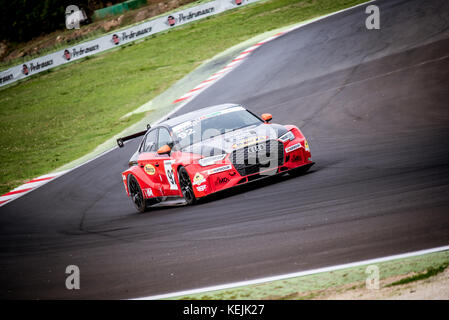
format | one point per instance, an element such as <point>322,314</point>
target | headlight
<point>211,160</point>
<point>287,136</point>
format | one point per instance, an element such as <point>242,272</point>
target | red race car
<point>209,150</point>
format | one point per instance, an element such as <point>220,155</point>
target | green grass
<point>311,286</point>
<point>432,271</point>
<point>55,117</point>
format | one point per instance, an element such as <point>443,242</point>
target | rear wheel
<point>186,186</point>
<point>136,195</point>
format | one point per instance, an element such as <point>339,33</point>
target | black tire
<point>136,195</point>
<point>186,186</point>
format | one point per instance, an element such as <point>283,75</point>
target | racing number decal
<point>187,132</point>
<point>170,175</point>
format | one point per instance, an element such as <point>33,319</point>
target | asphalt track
<point>374,106</point>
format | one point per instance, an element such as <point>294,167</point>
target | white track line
<point>295,274</point>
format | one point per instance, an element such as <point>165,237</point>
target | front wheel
<point>136,194</point>
<point>186,186</point>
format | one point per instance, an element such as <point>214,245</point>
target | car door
<point>166,162</point>
<point>148,161</point>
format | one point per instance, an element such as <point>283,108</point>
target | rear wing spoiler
<point>120,141</point>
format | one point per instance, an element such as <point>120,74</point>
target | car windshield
<point>214,124</point>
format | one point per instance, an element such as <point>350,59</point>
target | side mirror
<point>267,117</point>
<point>165,149</point>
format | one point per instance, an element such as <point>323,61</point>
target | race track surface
<point>374,107</point>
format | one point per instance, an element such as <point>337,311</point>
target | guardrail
<point>118,38</point>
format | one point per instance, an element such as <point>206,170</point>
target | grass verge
<point>57,116</point>
<point>316,285</point>
<point>430,272</point>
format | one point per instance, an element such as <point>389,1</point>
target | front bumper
<point>237,168</point>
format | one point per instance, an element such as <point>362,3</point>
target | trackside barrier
<point>119,38</point>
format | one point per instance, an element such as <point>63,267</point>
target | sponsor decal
<point>168,166</point>
<point>150,169</point>
<point>219,169</point>
<point>222,180</point>
<point>82,51</point>
<point>6,78</point>
<point>25,70</point>
<point>193,14</point>
<point>148,193</point>
<point>134,34</point>
<point>249,141</point>
<point>66,55</point>
<point>256,148</point>
<point>217,113</point>
<point>37,66</point>
<point>306,145</point>
<point>198,179</point>
<point>171,21</point>
<point>201,188</point>
<point>115,39</point>
<point>293,147</point>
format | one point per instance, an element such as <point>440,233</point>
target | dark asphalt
<point>374,106</point>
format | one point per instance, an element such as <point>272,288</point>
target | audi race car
<point>212,149</point>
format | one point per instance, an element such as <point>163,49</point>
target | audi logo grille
<point>257,147</point>
<point>253,159</point>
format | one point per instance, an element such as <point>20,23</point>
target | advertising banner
<point>120,37</point>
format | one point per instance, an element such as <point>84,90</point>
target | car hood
<point>230,141</point>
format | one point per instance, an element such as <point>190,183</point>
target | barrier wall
<point>119,38</point>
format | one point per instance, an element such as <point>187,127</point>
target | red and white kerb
<point>218,75</point>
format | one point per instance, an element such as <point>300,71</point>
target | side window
<point>150,142</point>
<point>164,137</point>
